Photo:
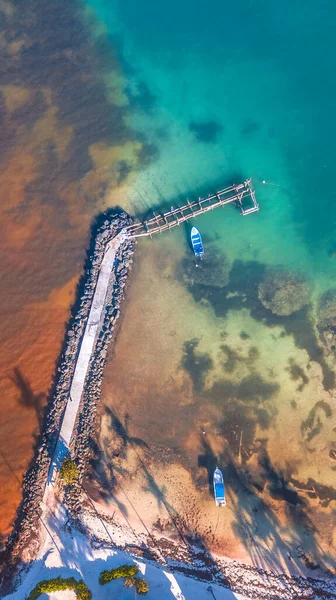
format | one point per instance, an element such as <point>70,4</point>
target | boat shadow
<point>207,460</point>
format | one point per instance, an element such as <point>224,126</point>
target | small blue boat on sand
<point>197,243</point>
<point>218,482</point>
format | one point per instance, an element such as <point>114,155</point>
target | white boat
<point>197,243</point>
<point>218,482</point>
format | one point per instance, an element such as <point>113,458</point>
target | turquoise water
<point>226,91</point>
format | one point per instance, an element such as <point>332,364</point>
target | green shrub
<point>123,571</point>
<point>141,586</point>
<point>68,471</point>
<point>82,592</point>
<point>58,584</point>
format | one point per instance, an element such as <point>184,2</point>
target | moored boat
<point>197,243</point>
<point>219,490</point>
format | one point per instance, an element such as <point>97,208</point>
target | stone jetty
<point>73,399</point>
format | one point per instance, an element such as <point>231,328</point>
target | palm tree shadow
<point>104,466</point>
<point>160,495</point>
<point>101,476</point>
<point>27,397</point>
<point>122,430</point>
<point>153,488</point>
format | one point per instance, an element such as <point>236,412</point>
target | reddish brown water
<point>64,145</point>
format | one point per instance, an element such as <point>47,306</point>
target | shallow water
<point>246,93</point>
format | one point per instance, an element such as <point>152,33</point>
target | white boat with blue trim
<point>197,243</point>
<point>219,489</point>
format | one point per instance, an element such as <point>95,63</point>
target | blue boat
<point>218,482</point>
<point>197,243</point>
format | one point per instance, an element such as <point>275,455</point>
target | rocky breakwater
<point>24,539</point>
<point>82,440</point>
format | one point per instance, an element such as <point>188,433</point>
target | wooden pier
<point>241,195</point>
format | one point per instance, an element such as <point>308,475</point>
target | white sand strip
<point>69,554</point>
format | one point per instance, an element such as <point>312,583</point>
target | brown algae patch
<point>191,389</point>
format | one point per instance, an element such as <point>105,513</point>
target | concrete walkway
<point>86,349</point>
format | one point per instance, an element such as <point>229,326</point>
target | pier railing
<point>241,195</point>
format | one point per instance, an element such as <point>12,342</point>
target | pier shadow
<point>28,398</point>
<point>187,227</point>
<point>164,202</point>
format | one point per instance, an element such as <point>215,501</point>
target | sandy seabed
<point>185,390</point>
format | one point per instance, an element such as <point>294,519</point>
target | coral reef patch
<point>283,292</point>
<point>206,131</point>
<point>212,270</point>
<point>326,320</point>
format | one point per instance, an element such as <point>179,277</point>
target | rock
<point>332,453</point>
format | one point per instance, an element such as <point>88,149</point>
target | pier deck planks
<point>234,194</point>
